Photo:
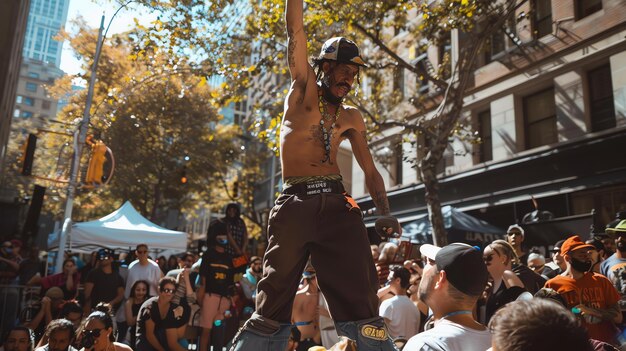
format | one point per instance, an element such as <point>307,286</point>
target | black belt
<point>315,187</point>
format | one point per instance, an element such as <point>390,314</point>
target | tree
<point>156,115</point>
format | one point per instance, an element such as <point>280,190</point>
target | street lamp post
<point>81,137</point>
<point>78,150</point>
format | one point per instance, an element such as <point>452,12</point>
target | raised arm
<point>373,179</point>
<point>296,43</point>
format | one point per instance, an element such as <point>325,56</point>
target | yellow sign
<point>373,332</point>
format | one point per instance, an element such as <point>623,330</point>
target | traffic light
<point>29,154</point>
<point>183,175</point>
<point>96,163</point>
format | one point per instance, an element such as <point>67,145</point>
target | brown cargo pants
<point>316,219</point>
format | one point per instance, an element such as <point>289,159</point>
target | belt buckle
<point>318,187</point>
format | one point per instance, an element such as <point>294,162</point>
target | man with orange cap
<point>589,295</point>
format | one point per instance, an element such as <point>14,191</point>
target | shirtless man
<point>305,312</point>
<point>313,215</point>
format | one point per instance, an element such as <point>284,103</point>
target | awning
<point>460,226</point>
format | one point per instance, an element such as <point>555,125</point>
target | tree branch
<point>401,62</point>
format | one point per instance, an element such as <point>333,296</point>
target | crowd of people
<point>505,298</point>
<point>130,301</point>
<point>495,297</point>
<point>458,297</point>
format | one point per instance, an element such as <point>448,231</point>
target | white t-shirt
<point>150,273</point>
<point>403,315</point>
<point>450,336</point>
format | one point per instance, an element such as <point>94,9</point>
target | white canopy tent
<point>123,229</point>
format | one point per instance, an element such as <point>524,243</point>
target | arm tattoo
<point>291,48</point>
<point>382,204</point>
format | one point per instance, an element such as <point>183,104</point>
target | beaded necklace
<point>327,134</point>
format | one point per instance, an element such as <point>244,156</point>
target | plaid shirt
<point>237,229</point>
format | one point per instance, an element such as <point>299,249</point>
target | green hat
<point>619,228</point>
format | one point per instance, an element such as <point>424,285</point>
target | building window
<point>45,104</point>
<point>32,87</point>
<point>238,119</point>
<point>542,18</point>
<point>540,119</point>
<point>33,75</point>
<point>601,104</point>
<point>421,83</point>
<point>500,41</point>
<point>484,131</point>
<point>398,164</point>
<point>445,56</point>
<point>27,114</point>
<point>17,113</point>
<point>398,81</point>
<point>28,101</point>
<point>585,8</point>
<point>19,99</point>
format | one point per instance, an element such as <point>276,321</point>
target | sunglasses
<point>513,234</point>
<point>93,332</point>
<point>142,252</point>
<point>488,258</point>
<point>167,291</point>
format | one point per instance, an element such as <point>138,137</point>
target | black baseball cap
<point>464,267</point>
<point>342,50</point>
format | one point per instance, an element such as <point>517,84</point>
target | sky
<point>92,12</point>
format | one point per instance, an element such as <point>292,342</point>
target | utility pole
<point>79,142</point>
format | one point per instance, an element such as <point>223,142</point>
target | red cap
<point>574,243</point>
<point>16,243</point>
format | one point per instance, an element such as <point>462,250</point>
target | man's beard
<point>257,270</point>
<point>581,266</point>
<point>327,83</point>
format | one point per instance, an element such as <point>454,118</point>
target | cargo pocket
<point>278,204</point>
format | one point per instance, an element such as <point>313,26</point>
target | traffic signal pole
<point>78,150</point>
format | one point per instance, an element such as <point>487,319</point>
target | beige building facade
<point>551,114</point>
<point>33,101</point>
